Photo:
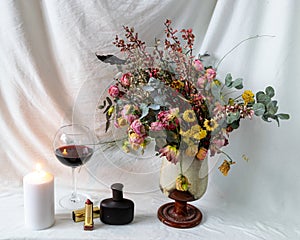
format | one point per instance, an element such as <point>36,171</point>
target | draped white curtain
<point>49,76</point>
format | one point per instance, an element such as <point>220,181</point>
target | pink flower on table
<point>197,64</point>
<point>171,153</point>
<point>126,79</point>
<point>210,74</point>
<point>114,91</point>
<point>157,126</point>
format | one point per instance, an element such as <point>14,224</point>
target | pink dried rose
<point>210,74</point>
<point>157,126</point>
<point>171,153</point>
<point>134,138</point>
<point>138,127</point>
<point>114,91</point>
<point>130,113</point>
<point>201,82</point>
<point>126,79</point>
<point>169,118</point>
<point>197,64</point>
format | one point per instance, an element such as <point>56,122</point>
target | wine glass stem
<point>74,197</point>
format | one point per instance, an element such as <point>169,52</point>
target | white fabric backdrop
<point>50,76</point>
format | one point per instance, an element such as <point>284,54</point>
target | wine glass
<point>73,146</point>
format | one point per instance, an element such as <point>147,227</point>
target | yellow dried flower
<point>189,116</point>
<point>210,125</point>
<point>125,147</point>
<point>201,153</point>
<point>200,135</point>
<point>182,183</point>
<point>122,122</point>
<point>225,167</point>
<point>185,133</point>
<point>196,128</point>
<point>217,82</point>
<point>231,101</point>
<point>248,96</point>
<point>177,84</point>
<point>110,110</point>
<point>192,150</point>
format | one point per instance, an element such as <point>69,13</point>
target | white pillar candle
<point>38,199</point>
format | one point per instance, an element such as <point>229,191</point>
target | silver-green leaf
<point>259,109</point>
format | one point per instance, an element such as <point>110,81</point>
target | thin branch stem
<point>240,43</point>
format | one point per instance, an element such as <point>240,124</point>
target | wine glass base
<point>66,202</point>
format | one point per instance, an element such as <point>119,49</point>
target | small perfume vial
<point>88,218</point>
<point>116,210</point>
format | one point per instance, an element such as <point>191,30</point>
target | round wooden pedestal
<point>179,214</point>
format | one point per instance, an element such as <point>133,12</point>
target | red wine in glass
<point>73,155</point>
<point>73,146</point>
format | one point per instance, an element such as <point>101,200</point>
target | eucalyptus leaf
<point>154,106</point>
<point>235,124</point>
<point>148,88</point>
<point>270,91</point>
<point>274,103</point>
<point>159,100</point>
<point>283,116</point>
<point>231,117</point>
<point>271,108</point>
<point>238,83</point>
<point>228,80</point>
<point>154,82</point>
<point>259,94</point>
<point>259,109</point>
<point>145,110</point>
<point>263,98</point>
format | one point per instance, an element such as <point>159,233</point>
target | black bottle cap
<point>117,191</point>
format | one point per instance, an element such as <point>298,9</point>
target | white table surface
<point>219,222</point>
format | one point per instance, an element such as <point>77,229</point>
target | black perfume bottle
<point>116,210</point>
